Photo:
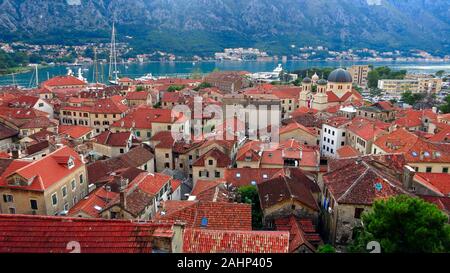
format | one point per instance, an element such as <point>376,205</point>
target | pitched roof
<point>60,81</point>
<point>231,241</point>
<point>215,215</point>
<point>362,180</point>
<point>365,129</point>
<point>294,185</point>
<point>109,138</point>
<point>43,234</point>
<point>144,116</point>
<point>437,182</point>
<point>6,132</point>
<point>222,159</point>
<point>93,204</point>
<point>347,151</point>
<point>74,131</point>
<point>302,232</point>
<point>413,147</point>
<point>43,173</point>
<point>138,95</point>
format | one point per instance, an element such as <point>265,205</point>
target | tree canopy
<point>403,224</point>
<point>249,195</point>
<point>445,108</point>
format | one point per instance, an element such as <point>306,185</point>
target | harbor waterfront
<point>183,69</point>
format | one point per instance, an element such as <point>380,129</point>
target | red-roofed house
<point>232,241</point>
<point>63,82</point>
<point>112,144</point>
<point>432,184</point>
<point>99,114</point>
<point>423,155</point>
<point>353,184</point>
<point>138,98</point>
<point>361,133</point>
<point>28,102</point>
<point>48,186</point>
<point>210,166</point>
<point>140,198</point>
<point>38,234</point>
<point>307,136</point>
<point>145,122</point>
<point>75,132</point>
<point>208,214</point>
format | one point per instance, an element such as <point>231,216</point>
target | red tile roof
<point>93,204</point>
<point>139,95</point>
<point>222,159</point>
<point>347,151</point>
<point>109,138</point>
<point>220,241</point>
<point>363,180</point>
<point>24,101</point>
<point>414,148</point>
<point>74,131</point>
<point>39,234</point>
<point>365,129</point>
<point>61,81</point>
<point>219,215</point>
<point>302,232</point>
<point>293,185</point>
<point>437,182</point>
<point>144,116</point>
<point>239,177</point>
<point>43,173</point>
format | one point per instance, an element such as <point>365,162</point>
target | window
<point>217,174</point>
<point>33,204</point>
<point>167,155</point>
<point>122,151</point>
<point>54,199</point>
<point>445,170</point>
<point>81,179</point>
<point>210,162</point>
<point>8,198</point>
<point>342,143</point>
<point>41,104</point>
<point>429,169</point>
<point>73,184</point>
<point>169,127</point>
<point>12,211</point>
<point>64,191</point>
<point>74,200</point>
<point>66,207</point>
<point>200,173</point>
<point>138,133</point>
<point>181,166</point>
<point>358,212</point>
<point>167,165</point>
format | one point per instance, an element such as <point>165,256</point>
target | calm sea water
<point>184,68</point>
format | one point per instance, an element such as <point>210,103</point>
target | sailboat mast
<point>37,76</point>
<point>111,54</point>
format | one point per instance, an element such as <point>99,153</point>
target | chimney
<point>123,200</point>
<point>408,176</point>
<point>15,153</point>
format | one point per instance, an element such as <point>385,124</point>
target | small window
<point>54,199</point>
<point>122,151</point>
<point>33,204</point>
<point>12,211</point>
<point>445,170</point>
<point>73,184</point>
<point>8,198</point>
<point>66,207</point>
<point>358,212</point>
<point>167,155</point>
<point>64,191</point>
<point>217,174</point>
<point>81,179</point>
<point>210,162</point>
<point>429,169</point>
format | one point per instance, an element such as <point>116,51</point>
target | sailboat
<point>113,72</point>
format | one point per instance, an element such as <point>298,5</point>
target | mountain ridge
<point>206,26</point>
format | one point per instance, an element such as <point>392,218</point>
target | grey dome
<point>322,82</point>
<point>307,80</point>
<point>341,76</point>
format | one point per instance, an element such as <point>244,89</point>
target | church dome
<point>322,82</point>
<point>307,80</point>
<point>315,77</point>
<point>340,76</point>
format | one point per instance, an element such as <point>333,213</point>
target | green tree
<point>326,249</point>
<point>404,224</point>
<point>411,98</point>
<point>139,88</point>
<point>439,73</point>
<point>174,88</point>
<point>445,108</point>
<point>249,195</point>
<point>203,85</point>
